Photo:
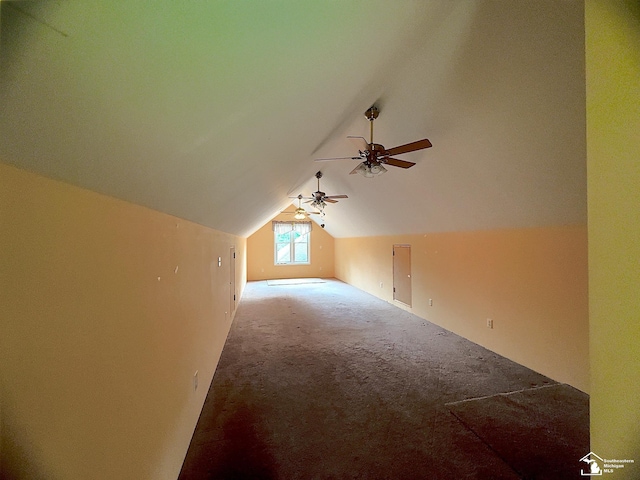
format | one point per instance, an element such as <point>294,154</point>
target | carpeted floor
<point>323,381</point>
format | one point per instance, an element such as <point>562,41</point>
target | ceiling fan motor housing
<point>375,153</point>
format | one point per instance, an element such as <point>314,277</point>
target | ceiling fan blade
<point>360,142</point>
<point>309,201</point>
<point>335,196</point>
<point>409,147</point>
<point>396,162</point>
<point>326,199</point>
<point>336,158</point>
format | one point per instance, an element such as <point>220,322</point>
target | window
<point>291,240</point>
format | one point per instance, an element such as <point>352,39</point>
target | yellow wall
<point>260,255</point>
<point>531,282</point>
<point>108,309</point>
<point>613,161</point>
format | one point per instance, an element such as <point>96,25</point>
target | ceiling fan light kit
<point>370,171</point>
<point>374,155</point>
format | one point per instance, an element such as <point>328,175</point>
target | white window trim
<point>280,227</point>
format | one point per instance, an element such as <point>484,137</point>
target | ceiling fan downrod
<point>371,115</point>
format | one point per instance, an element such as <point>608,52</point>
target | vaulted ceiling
<point>214,111</point>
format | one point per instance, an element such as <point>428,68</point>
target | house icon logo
<point>595,464</point>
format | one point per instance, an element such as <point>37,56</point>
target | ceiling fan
<point>300,213</point>
<point>320,199</point>
<point>374,155</point>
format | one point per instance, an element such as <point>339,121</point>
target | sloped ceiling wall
<point>215,111</point>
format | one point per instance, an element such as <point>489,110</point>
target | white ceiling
<point>214,111</point>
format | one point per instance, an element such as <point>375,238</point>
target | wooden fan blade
<point>330,200</point>
<point>396,162</point>
<point>409,147</point>
<point>360,142</point>
<point>335,196</point>
<point>309,201</point>
<point>336,158</point>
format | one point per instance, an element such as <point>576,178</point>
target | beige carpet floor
<point>324,381</point>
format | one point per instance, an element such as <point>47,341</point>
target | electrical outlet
<point>431,302</point>
<point>489,323</point>
<point>195,381</point>
<point>380,284</point>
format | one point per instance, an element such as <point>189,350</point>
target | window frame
<point>292,247</point>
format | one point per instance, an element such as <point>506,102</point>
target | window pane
<point>301,253</point>
<point>301,248</point>
<point>283,253</point>
<point>283,237</point>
